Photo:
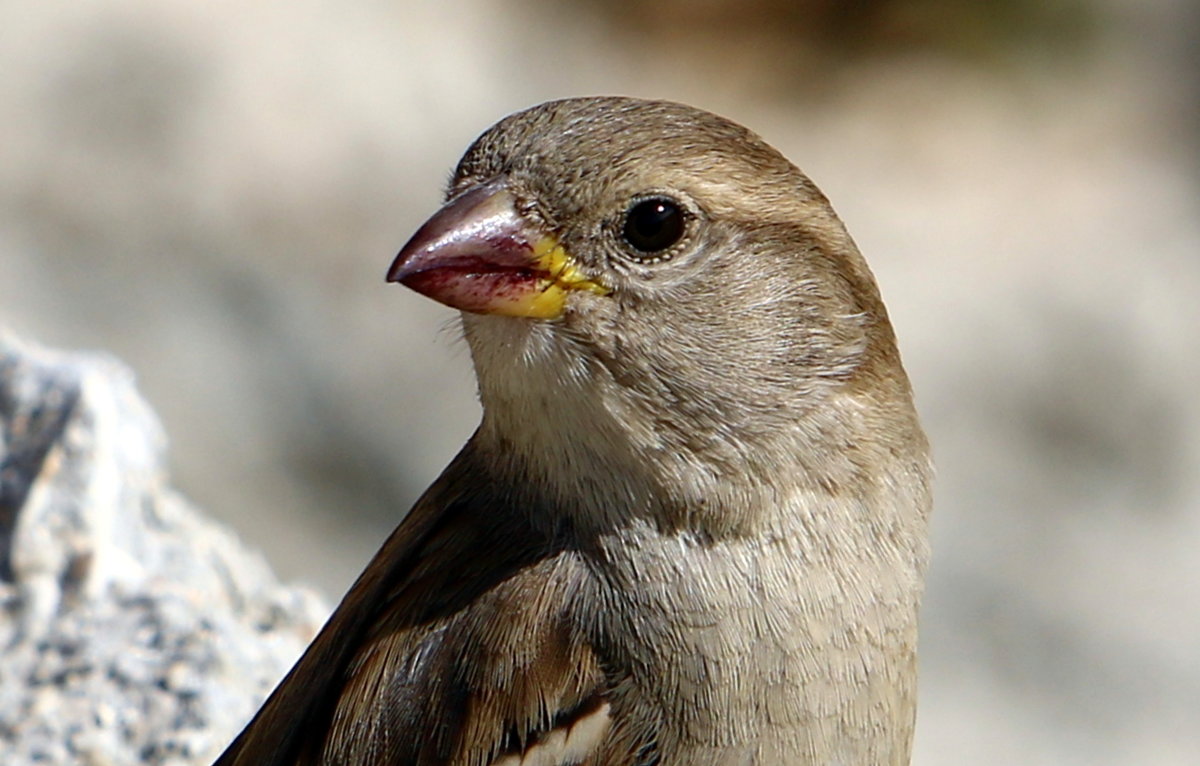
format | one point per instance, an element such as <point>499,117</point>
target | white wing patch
<point>565,746</point>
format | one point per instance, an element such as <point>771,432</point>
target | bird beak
<point>479,254</point>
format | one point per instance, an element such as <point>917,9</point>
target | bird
<point>691,527</point>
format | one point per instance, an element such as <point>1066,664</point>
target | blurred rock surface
<point>134,629</point>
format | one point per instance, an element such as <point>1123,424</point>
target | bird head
<point>665,288</point>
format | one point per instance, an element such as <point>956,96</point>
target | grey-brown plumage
<point>691,528</point>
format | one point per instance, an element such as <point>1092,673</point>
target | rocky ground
<point>134,629</point>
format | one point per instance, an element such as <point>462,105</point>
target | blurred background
<point>212,191</point>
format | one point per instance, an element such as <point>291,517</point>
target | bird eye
<point>653,225</point>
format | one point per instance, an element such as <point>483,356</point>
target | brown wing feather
<point>455,646</point>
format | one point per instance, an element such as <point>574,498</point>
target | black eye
<point>653,225</point>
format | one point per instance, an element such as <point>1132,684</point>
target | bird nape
<point>690,529</point>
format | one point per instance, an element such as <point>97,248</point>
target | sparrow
<point>690,529</point>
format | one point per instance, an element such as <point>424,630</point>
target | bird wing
<point>456,646</point>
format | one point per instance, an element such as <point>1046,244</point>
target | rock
<point>133,629</point>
